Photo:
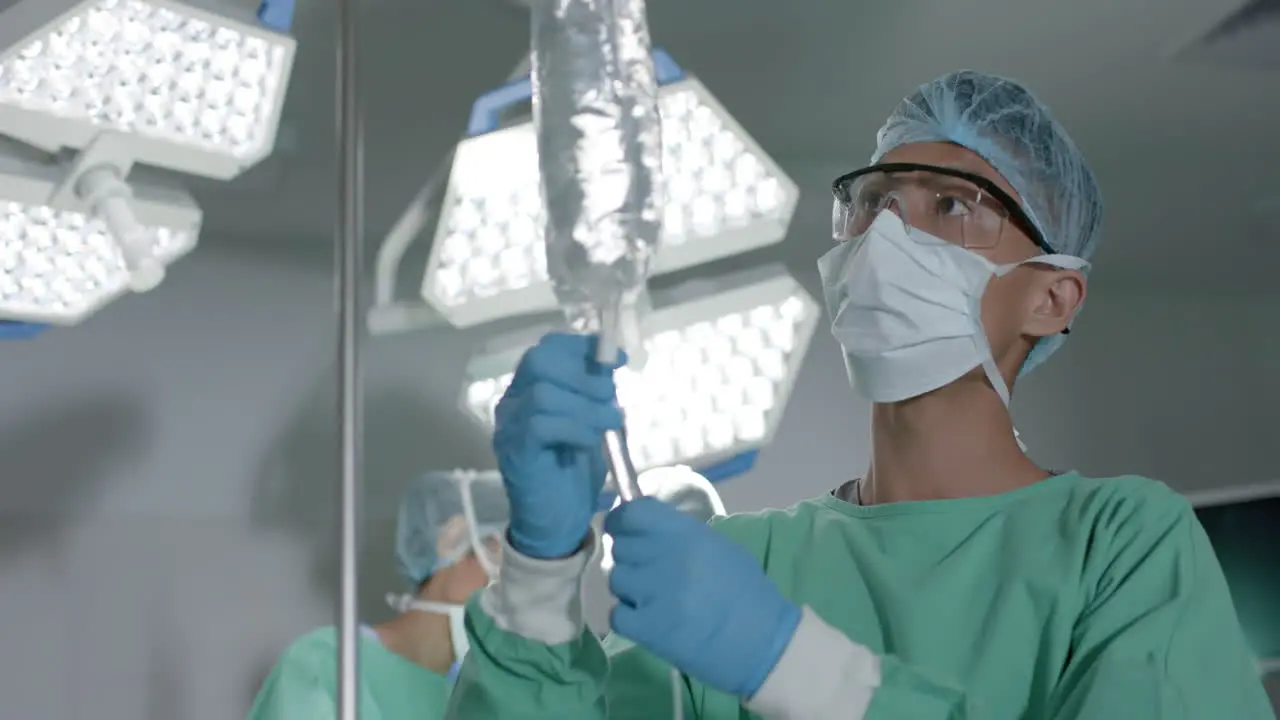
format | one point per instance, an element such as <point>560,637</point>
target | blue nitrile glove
<point>548,429</point>
<point>695,598</point>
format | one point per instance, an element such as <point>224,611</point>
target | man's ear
<point>1057,297</point>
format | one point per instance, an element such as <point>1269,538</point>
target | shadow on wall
<point>166,671</point>
<point>54,456</point>
<point>406,433</point>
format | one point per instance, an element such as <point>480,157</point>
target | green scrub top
<point>1072,599</point>
<point>304,683</point>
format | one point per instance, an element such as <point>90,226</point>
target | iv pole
<point>348,243</point>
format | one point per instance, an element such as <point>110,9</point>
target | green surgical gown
<point>304,683</point>
<point>1072,599</point>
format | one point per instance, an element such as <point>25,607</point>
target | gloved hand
<point>695,598</point>
<point>549,426</point>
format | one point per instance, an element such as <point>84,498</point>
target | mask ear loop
<point>988,360</point>
<point>405,603</point>
<point>1063,262</point>
<point>455,613</point>
<point>979,336</point>
<point>464,479</point>
<point>400,602</point>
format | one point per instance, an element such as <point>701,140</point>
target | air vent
<point>1249,38</point>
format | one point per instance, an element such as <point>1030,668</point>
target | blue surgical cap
<point>1014,132</point>
<point>431,527</point>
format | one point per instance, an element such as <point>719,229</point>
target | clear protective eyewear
<point>953,205</point>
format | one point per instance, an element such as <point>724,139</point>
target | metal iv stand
<point>348,245</point>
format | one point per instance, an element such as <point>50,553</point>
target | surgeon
<point>954,579</point>
<point>447,547</point>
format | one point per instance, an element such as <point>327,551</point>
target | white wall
<point>168,489</point>
<point>167,498</point>
<point>1177,388</point>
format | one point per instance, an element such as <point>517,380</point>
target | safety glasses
<point>953,205</point>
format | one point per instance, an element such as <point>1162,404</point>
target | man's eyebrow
<point>973,166</point>
<point>982,169</point>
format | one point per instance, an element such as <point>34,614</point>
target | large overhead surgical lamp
<point>724,196</point>
<point>713,377</point>
<point>98,86</point>
<point>58,261</point>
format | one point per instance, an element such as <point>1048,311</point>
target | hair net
<point>433,530</point>
<point>1004,123</point>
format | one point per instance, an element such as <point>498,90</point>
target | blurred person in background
<point>447,547</point>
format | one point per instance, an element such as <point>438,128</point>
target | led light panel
<point>201,92</point>
<point>715,378</point>
<point>724,196</point>
<point>60,265</point>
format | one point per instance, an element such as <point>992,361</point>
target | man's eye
<point>953,205</point>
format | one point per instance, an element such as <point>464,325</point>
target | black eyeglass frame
<point>1020,219</point>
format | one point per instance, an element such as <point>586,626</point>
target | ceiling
<point>1184,144</point>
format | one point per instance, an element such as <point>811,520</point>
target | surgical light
<point>101,85</point>
<point>196,90</point>
<point>723,196</point>
<point>276,14</point>
<point>712,380</point>
<point>59,264</point>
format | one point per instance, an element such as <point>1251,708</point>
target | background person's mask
<point>457,621</point>
<point>906,306</point>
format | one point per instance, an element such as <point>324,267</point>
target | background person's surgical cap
<point>1003,123</point>
<point>431,530</point>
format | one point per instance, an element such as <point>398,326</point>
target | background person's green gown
<point>304,683</point>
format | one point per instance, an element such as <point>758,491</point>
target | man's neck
<point>951,443</point>
<point>420,637</point>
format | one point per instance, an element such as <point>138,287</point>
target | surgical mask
<point>906,308</point>
<point>457,621</point>
<point>476,532</point>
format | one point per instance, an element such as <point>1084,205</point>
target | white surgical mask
<point>457,619</point>
<point>906,308</point>
<point>476,532</point>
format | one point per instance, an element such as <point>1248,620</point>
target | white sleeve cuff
<point>822,675</point>
<point>540,600</point>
